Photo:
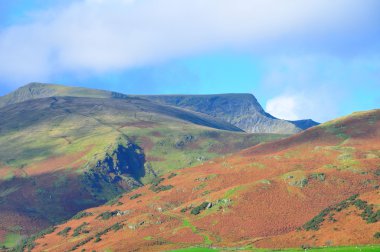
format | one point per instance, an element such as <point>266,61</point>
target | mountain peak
<point>40,85</point>
<point>37,90</point>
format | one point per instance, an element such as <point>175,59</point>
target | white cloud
<point>300,105</point>
<point>318,86</point>
<point>98,36</point>
<point>284,107</point>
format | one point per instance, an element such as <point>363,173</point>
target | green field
<point>369,248</point>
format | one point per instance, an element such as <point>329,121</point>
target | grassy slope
<point>259,195</point>
<point>45,145</point>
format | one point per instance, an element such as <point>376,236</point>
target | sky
<point>316,59</point>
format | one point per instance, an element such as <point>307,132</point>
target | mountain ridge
<point>240,109</point>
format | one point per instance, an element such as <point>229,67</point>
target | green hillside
<point>60,155</point>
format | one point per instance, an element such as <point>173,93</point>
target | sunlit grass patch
<point>11,240</point>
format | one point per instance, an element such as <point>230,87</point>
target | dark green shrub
<point>165,188</point>
<point>172,175</point>
<point>117,226</point>
<point>318,176</point>
<point>331,218</point>
<point>360,204</point>
<point>107,215</point>
<point>316,222</point>
<point>353,197</point>
<point>342,205</point>
<point>114,227</point>
<point>156,187</point>
<point>65,231</point>
<point>368,214</point>
<point>81,215</point>
<point>80,229</point>
<point>373,217</point>
<point>135,196</point>
<point>160,188</point>
<point>197,210</point>
<point>156,181</point>
<point>377,235</point>
<point>82,243</point>
<point>184,210</point>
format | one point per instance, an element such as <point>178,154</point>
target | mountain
<point>70,151</point>
<point>40,90</point>
<point>241,110</point>
<point>316,188</point>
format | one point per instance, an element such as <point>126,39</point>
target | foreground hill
<point>240,110</point>
<point>60,155</point>
<point>317,188</point>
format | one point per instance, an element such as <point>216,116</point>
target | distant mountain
<point>318,188</point>
<point>240,110</point>
<point>304,124</point>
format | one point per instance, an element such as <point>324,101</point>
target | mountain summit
<point>240,110</point>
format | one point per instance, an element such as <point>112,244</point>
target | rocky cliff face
<point>241,110</point>
<point>120,169</point>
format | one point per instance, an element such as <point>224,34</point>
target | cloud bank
<point>320,86</point>
<point>98,36</point>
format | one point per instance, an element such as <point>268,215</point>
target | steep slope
<point>241,110</point>
<point>259,197</point>
<point>59,155</point>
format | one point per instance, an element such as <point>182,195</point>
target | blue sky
<point>302,59</point>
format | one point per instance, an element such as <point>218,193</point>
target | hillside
<point>240,110</point>
<point>60,155</point>
<point>275,195</point>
